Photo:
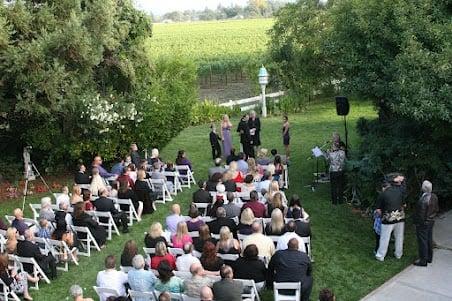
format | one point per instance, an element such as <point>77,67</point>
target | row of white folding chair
<point>58,248</point>
<point>6,294</point>
<point>88,242</point>
<point>37,271</point>
<point>159,186</point>
<point>110,224</point>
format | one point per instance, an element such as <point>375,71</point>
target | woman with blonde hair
<point>154,236</point>
<point>276,225</point>
<point>276,202</point>
<point>97,183</point>
<point>246,220</point>
<point>226,136</point>
<point>274,189</point>
<point>161,254</point>
<point>76,196</point>
<point>11,242</point>
<point>252,169</point>
<point>227,244</point>
<point>181,237</point>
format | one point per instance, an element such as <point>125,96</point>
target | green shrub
<point>208,111</point>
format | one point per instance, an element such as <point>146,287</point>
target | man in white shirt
<point>173,219</point>
<point>263,243</point>
<point>284,239</point>
<point>111,278</point>
<point>184,262</point>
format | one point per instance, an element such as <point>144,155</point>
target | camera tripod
<point>31,171</point>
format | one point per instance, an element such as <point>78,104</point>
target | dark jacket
<point>230,186</point>
<point>26,248</point>
<point>105,204</point>
<point>245,268</point>
<point>289,266</point>
<point>216,225</point>
<point>426,209</point>
<point>82,178</point>
<point>144,193</point>
<point>255,124</point>
<point>303,228</point>
<point>227,290</point>
<point>202,196</point>
<point>136,159</point>
<point>391,203</point>
<point>244,131</point>
<point>214,140</point>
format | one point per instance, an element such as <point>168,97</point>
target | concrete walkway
<point>433,283</point>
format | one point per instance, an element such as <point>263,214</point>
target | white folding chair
<point>216,236</point>
<point>307,243</point>
<point>6,294</point>
<point>286,177</point>
<point>162,190</point>
<point>125,269</point>
<point>136,295</point>
<point>193,234</point>
<point>88,242</point>
<point>110,224</point>
<point>182,275</point>
<point>10,219</point>
<point>277,286</point>
<point>186,176</point>
<point>202,206</point>
<point>149,252</point>
<point>131,212</point>
<point>229,257</point>
<point>60,248</point>
<point>253,293</point>
<point>105,292</point>
<point>176,182</point>
<point>35,208</point>
<point>37,271</point>
<point>176,251</point>
<point>197,254</point>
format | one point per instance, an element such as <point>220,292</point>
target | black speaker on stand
<point>342,109</point>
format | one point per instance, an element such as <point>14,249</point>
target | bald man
<point>198,280</point>
<point>206,294</point>
<point>227,289</point>
<point>174,218</point>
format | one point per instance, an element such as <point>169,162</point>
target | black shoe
<point>126,230</point>
<point>429,261</point>
<point>420,263</point>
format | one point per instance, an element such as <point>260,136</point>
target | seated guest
<point>217,168</point>
<point>249,266</point>
<point>76,196</point>
<point>63,221</point>
<point>97,182</point>
<point>76,292</point>
<point>86,196</point>
<point>291,265</point>
<point>46,211</point>
<point>97,163</point>
<point>276,226</point>
<point>303,227</point>
<point>170,168</point>
<point>262,157</point>
<point>81,177</point>
<point>279,168</point>
<point>246,220</point>
<point>104,204</point>
<point>206,294</point>
<point>139,279</point>
<point>295,203</point>
<point>128,253</point>
<point>204,236</point>
<point>274,153</point>
<point>209,259</point>
<point>82,219</point>
<point>182,160</point>
<point>28,248</point>
<point>154,236</point>
<point>63,196</point>
<point>221,221</point>
<point>228,182</point>
<point>167,281</point>
<point>227,289</point>
<point>174,218</point>
<point>184,262</point>
<point>242,165</point>
<point>275,203</point>
<point>118,167</point>
<point>158,175</point>
<point>181,237</point>
<point>126,192</point>
<point>218,202</point>
<point>161,254</point>
<point>257,207</point>
<point>326,295</point>
<point>246,188</point>
<point>18,221</point>
<point>227,244</point>
<point>155,157</point>
<point>236,175</point>
<point>253,170</point>
<point>290,233</point>
<point>17,282</point>
<point>220,192</point>
<point>274,189</point>
<point>193,285</point>
<point>132,172</point>
<point>232,210</point>
<point>264,244</point>
<point>124,177</point>
<point>144,192</point>
<point>232,157</point>
<point>45,229</point>
<point>112,278</point>
<point>202,195</point>
<point>195,221</point>
<point>11,240</point>
<point>214,180</point>
<point>264,183</point>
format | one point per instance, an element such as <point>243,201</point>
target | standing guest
<point>291,265</point>
<point>174,218</point>
<point>303,228</point>
<point>197,281</point>
<point>264,244</point>
<point>118,167</point>
<point>134,154</point>
<point>81,177</point>
<point>181,237</point>
<point>242,165</point>
<point>337,163</point>
<point>254,124</point>
<point>154,236</point>
<point>63,196</point>
<point>276,226</point>
<point>232,210</point>
<point>249,266</point>
<point>76,196</point>
<point>184,262</point>
<point>182,160</point>
<point>217,168</point>
<point>104,204</point>
<point>97,163</point>
<point>112,278</point>
<point>426,210</point>
<point>226,136</point>
<point>214,142</point>
<point>221,221</point>
<point>257,207</point>
<point>144,193</point>
<point>161,254</point>
<point>232,157</point>
<point>128,253</point>
<point>204,236</point>
<point>286,237</point>
<point>167,281</point>
<point>227,244</point>
<point>390,206</point>
<point>126,192</point>
<point>209,259</point>
<point>227,289</point>
<point>246,220</point>
<point>76,292</point>
<point>195,222</point>
<point>97,182</point>
<point>18,221</point>
<point>140,279</point>
<point>245,138</point>
<point>202,195</point>
<point>377,220</point>
<point>46,211</point>
<point>206,294</point>
<point>17,282</point>
<point>82,219</point>
<point>286,136</point>
<point>326,295</point>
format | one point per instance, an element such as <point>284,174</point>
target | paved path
<point>433,283</point>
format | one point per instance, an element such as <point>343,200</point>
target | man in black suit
<point>202,195</point>
<point>221,221</point>
<point>28,248</point>
<point>303,229</point>
<point>104,204</point>
<point>81,177</point>
<point>245,138</point>
<point>292,265</point>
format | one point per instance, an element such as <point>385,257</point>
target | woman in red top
<point>161,254</point>
<point>236,175</point>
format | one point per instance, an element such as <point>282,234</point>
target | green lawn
<point>342,242</point>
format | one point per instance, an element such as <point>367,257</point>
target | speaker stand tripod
<point>30,177</point>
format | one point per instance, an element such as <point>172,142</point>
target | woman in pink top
<point>181,237</point>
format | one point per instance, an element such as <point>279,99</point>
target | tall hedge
<point>75,80</point>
